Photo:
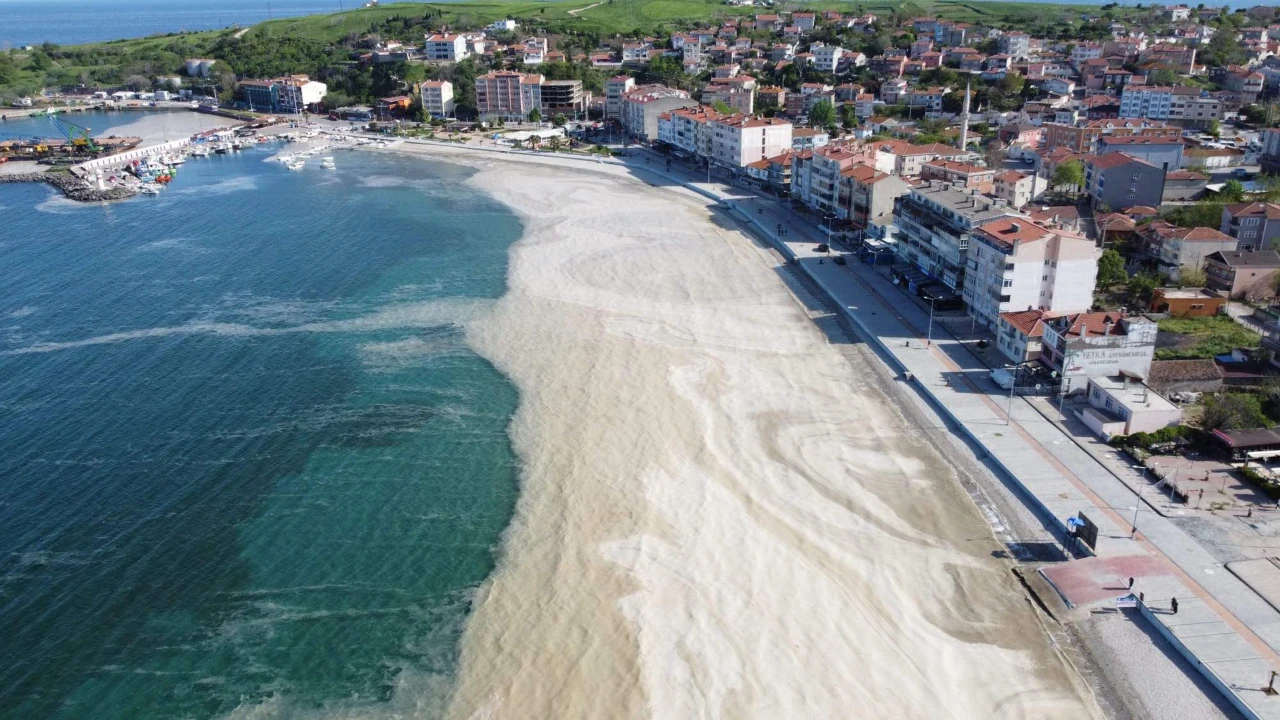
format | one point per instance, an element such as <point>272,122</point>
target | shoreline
<point>701,422</point>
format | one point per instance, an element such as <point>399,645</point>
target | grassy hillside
<point>307,44</point>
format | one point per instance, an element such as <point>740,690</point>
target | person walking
<point>1173,604</point>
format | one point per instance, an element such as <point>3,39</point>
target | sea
<point>248,464</point>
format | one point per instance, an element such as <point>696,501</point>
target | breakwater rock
<point>71,186</point>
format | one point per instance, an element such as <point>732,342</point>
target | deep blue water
<point>71,22</point>
<point>246,457</point>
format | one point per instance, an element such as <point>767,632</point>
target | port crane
<point>79,137</point>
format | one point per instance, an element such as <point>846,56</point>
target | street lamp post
<point>1142,485</point>
<point>1013,384</point>
<point>929,332</point>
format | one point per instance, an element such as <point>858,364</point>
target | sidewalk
<point>1223,627</point>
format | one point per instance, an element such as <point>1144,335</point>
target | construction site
<point>73,143</point>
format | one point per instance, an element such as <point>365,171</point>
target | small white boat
<point>327,163</point>
<point>150,189</point>
<point>295,164</point>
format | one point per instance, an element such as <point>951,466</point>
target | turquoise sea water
<point>245,455</point>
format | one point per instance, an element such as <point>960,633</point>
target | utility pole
<point>1013,384</point>
<point>1142,485</point>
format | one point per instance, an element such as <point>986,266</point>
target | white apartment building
<point>437,98</point>
<point>1016,45</point>
<point>445,48</point>
<point>296,93</point>
<point>642,106</point>
<point>740,139</point>
<point>1186,104</point>
<point>1014,264</point>
<point>1015,187</point>
<point>614,88</point>
<point>826,58</point>
<point>507,25</point>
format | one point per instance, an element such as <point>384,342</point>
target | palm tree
<point>555,144</point>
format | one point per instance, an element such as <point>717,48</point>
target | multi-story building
<point>1120,181</point>
<point>1187,105</point>
<point>507,95</point>
<point>826,58</point>
<point>614,88</point>
<point>936,224</point>
<point>1255,225</point>
<point>291,94</point>
<point>907,160</point>
<point>1015,263</point>
<point>1270,158</point>
<point>738,140</point>
<point>1016,45</point>
<point>564,96</point>
<point>1158,150</point>
<point>298,93</point>
<point>868,195</point>
<point>437,98</point>
<point>928,98</point>
<point>738,92</point>
<point>444,47</point>
<point>1087,344</point>
<point>817,176</point>
<point>1084,138</point>
<point>959,174</point>
<point>1244,274</point>
<point>1175,248</point>
<point>642,106</point>
<point>1015,187</point>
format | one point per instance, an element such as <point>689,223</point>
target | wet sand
<point>721,514</point>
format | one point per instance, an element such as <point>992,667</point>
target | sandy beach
<point>721,513</point>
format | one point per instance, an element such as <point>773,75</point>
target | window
<point>1008,283</point>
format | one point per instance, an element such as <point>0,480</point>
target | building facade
<point>1255,225</point>
<point>508,96</point>
<point>437,98</point>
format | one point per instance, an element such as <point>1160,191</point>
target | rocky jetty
<point>71,186</point>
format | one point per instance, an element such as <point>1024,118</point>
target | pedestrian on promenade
<point>1174,605</point>
<point>1130,583</point>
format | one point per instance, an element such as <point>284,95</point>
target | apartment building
<point>936,222</point>
<point>928,98</point>
<point>642,106</point>
<point>1120,181</point>
<point>508,96</point>
<point>1187,105</point>
<point>1014,263</point>
<point>1084,138</point>
<point>1255,225</point>
<point>614,88</point>
<point>1270,159</point>
<point>1174,248</point>
<point>959,174</point>
<point>1083,345</point>
<point>564,96</point>
<point>868,195</point>
<point>1016,45</point>
<point>897,157</point>
<point>1244,274</point>
<point>1015,187</point>
<point>1158,150</point>
<point>817,175</point>
<point>826,58</point>
<point>437,98</point>
<point>738,92</point>
<point>738,140</point>
<point>443,47</point>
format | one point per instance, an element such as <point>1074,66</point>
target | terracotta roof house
<point>1243,274</point>
<point>1019,333</point>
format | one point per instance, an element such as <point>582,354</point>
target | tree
<point>1111,268</point>
<point>848,116</point>
<point>1142,285</point>
<point>1232,192</point>
<point>1214,129</point>
<point>1189,276</point>
<point>722,107</point>
<point>1202,214</point>
<point>535,116</point>
<point>137,82</point>
<point>1069,174</point>
<point>559,120</point>
<point>822,114</point>
<point>1233,411</point>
